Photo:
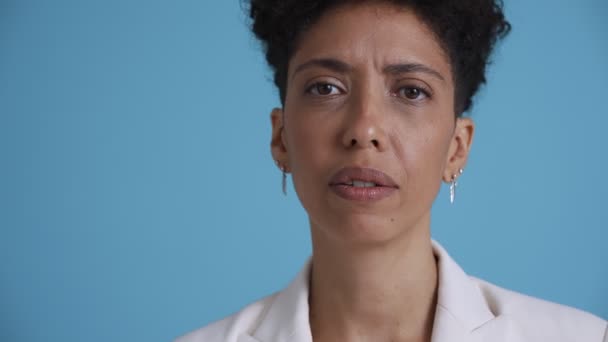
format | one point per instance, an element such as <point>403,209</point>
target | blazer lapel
<point>246,338</point>
<point>500,329</point>
<point>462,313</point>
<point>287,317</point>
<point>461,306</point>
<point>447,328</point>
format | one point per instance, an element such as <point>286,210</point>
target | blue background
<point>138,199</point>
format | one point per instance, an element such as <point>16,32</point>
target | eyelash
<point>315,87</point>
<point>422,91</point>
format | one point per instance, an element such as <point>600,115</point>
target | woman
<point>373,94</point>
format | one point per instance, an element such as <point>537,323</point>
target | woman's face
<point>368,129</point>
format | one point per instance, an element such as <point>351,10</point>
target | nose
<point>365,125</point>
<point>363,142</point>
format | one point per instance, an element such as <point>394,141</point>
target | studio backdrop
<point>138,198</point>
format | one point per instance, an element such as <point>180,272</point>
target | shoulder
<point>542,320</point>
<point>230,328</point>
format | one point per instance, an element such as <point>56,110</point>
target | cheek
<point>422,153</point>
<point>308,147</point>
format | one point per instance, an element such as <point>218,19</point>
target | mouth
<point>362,184</point>
<point>362,178</point>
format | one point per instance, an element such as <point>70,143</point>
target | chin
<point>360,229</point>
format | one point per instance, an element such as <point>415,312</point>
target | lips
<point>362,184</point>
<point>350,175</point>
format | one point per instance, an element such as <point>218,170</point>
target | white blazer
<point>468,310</point>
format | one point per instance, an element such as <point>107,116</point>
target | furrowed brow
<point>326,63</point>
<point>407,68</point>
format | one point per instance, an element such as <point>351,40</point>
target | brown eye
<point>412,93</point>
<point>323,89</point>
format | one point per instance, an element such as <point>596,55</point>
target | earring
<point>284,182</point>
<point>284,178</point>
<point>453,185</point>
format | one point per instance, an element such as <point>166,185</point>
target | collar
<point>461,307</point>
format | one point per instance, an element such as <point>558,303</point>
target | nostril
<point>353,142</point>
<point>375,142</point>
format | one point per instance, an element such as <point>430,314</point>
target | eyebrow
<point>407,68</point>
<point>342,67</point>
<point>327,63</point>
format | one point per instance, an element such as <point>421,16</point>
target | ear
<point>278,146</point>
<point>458,151</point>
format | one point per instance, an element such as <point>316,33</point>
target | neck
<point>385,293</point>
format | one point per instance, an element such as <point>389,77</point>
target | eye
<point>323,89</point>
<point>413,93</point>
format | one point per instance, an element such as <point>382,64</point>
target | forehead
<point>371,33</point>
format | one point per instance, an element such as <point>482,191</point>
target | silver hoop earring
<point>453,185</point>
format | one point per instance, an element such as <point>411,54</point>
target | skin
<point>374,275</point>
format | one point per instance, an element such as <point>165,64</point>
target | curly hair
<point>467,30</point>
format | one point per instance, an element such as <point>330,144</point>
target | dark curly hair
<point>466,29</point>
